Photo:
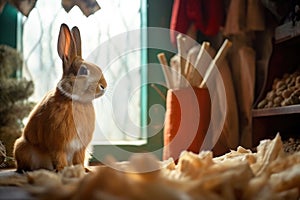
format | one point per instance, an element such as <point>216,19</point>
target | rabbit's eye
<point>83,70</point>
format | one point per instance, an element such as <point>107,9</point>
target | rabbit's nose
<point>102,87</point>
<point>99,91</point>
<point>102,83</point>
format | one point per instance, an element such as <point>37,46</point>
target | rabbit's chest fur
<point>74,146</point>
<point>61,124</point>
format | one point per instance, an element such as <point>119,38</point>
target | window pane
<point>100,33</point>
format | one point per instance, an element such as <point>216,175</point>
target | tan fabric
<point>242,63</point>
<point>255,16</point>
<point>251,37</point>
<point>244,15</point>
<point>246,92</point>
<point>229,138</point>
<point>235,20</point>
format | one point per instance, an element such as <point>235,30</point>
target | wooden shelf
<point>293,109</point>
<point>286,32</point>
<point>266,123</point>
<point>289,41</point>
<point>284,59</point>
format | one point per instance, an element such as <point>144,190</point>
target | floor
<point>12,192</point>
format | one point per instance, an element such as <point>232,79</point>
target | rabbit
<point>61,126</point>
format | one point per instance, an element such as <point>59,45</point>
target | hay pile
<point>14,104</point>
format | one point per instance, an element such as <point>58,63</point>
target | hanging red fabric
<point>207,16</point>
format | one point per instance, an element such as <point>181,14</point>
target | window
<point>100,34</point>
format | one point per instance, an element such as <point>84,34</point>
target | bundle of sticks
<point>191,66</point>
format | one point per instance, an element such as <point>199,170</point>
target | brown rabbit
<point>61,126</point>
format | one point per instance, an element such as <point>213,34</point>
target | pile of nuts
<point>285,91</point>
<point>291,145</point>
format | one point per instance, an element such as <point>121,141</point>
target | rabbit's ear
<point>77,40</point>
<point>65,46</point>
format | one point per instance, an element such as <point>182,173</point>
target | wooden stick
<point>200,65</point>
<point>175,64</point>
<point>191,59</point>
<point>218,58</point>
<point>204,48</point>
<point>164,64</point>
<point>158,91</point>
<point>181,52</point>
<point>189,72</point>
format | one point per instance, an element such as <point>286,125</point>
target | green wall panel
<point>8,26</point>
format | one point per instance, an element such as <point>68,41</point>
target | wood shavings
<point>240,174</point>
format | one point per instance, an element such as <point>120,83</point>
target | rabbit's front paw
<point>61,161</point>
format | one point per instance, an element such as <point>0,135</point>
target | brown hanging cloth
<point>87,7</point>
